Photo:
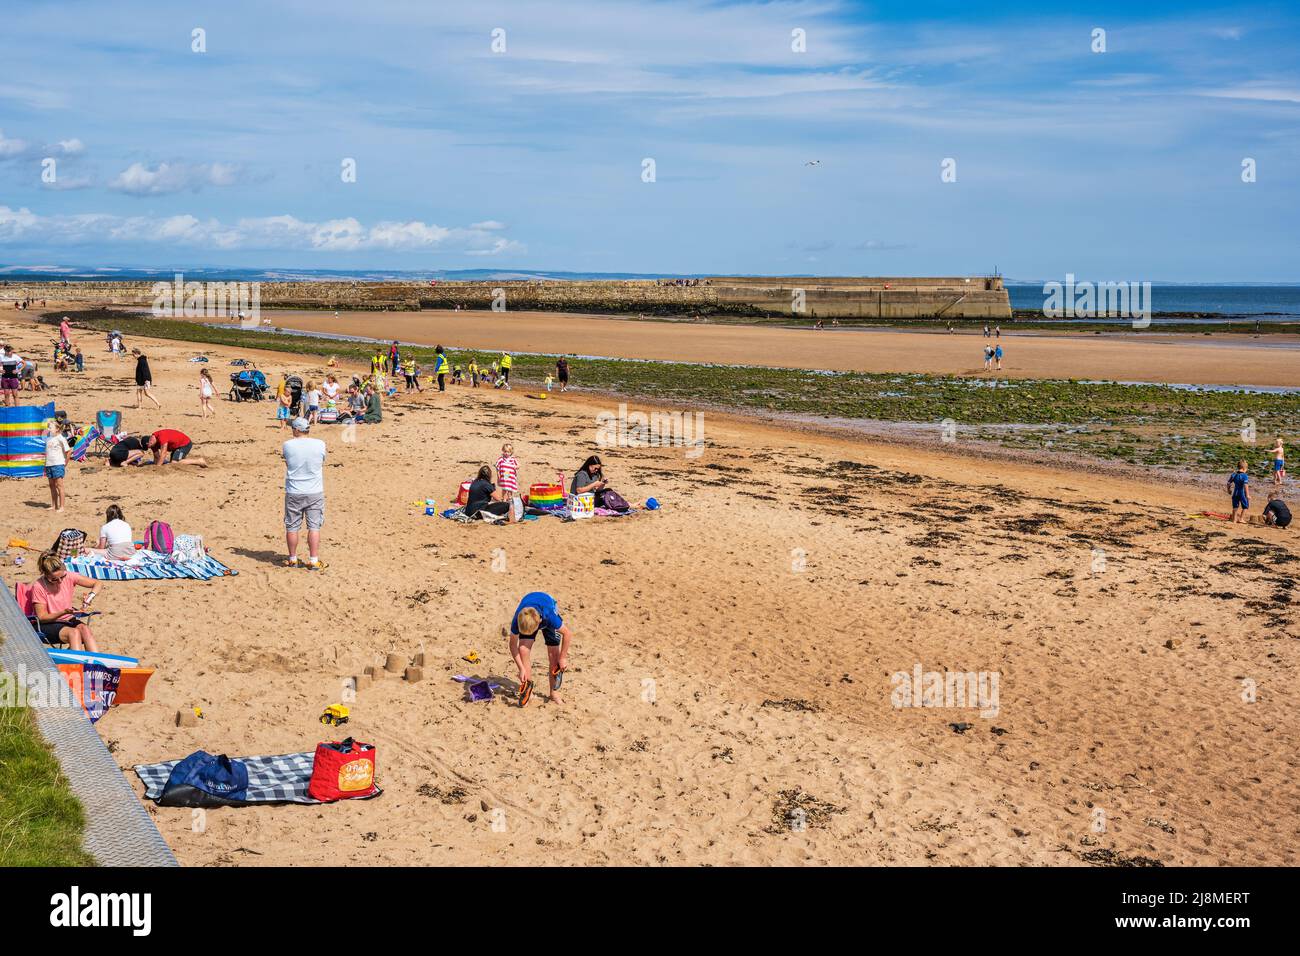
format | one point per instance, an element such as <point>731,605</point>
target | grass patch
<point>41,822</point>
<point>1139,424</point>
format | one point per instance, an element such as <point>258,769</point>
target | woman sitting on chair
<point>52,604</point>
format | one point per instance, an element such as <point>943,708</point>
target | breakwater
<point>981,297</point>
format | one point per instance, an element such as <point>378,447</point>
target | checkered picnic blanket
<point>279,778</point>
<point>149,570</point>
<point>282,778</point>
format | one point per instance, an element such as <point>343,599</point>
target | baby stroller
<point>294,384</point>
<point>247,385</point>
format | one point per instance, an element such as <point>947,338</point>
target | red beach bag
<point>342,771</point>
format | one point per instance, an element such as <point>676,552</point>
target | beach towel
<point>280,778</point>
<point>148,566</point>
<point>93,686</point>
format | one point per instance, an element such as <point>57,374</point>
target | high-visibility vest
<point>505,361</point>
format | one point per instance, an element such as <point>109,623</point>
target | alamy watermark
<point>36,689</point>
<point>946,689</point>
<point>207,300</point>
<point>626,429</point>
<point>1073,299</point>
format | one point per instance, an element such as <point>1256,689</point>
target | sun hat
<point>300,425</point>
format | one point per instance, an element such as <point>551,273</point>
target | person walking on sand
<point>505,368</point>
<point>304,494</point>
<point>1237,487</point>
<point>537,612</point>
<point>143,380</point>
<point>988,357</point>
<point>997,354</point>
<point>10,362</point>
<point>312,396</point>
<point>56,462</point>
<point>440,368</point>
<point>562,372</point>
<point>206,391</point>
<point>1279,462</point>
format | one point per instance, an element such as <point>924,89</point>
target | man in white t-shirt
<point>304,493</point>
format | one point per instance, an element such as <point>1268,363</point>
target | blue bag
<point>202,780</point>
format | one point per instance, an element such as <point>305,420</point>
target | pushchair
<point>247,385</point>
<point>294,384</point>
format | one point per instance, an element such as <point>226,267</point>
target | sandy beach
<point>1158,357</point>
<point>732,653</point>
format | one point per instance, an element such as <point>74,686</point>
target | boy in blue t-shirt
<point>1237,487</point>
<point>538,613</point>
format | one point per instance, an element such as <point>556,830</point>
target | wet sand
<point>1152,357</point>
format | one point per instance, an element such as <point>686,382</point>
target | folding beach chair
<point>23,595</point>
<point>108,424</point>
<point>83,442</point>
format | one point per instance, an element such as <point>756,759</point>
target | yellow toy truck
<point>335,714</point>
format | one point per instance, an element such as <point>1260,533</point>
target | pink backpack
<point>158,537</point>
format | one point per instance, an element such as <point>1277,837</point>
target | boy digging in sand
<point>537,612</point>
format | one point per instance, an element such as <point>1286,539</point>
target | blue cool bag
<point>202,780</point>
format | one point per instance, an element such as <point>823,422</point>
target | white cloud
<point>11,147</point>
<point>139,180</point>
<point>68,182</point>
<point>267,232</point>
<point>1257,91</point>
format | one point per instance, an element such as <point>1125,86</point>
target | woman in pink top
<point>52,602</point>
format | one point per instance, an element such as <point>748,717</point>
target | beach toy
<point>582,506</point>
<point>652,504</point>
<point>335,714</point>
<point>480,690</point>
<point>546,497</point>
<point>472,657</point>
<point>430,507</point>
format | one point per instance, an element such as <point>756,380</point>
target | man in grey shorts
<point>304,493</point>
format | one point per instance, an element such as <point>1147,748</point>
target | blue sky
<point>1117,165</point>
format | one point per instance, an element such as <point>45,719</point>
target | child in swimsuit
<point>1237,487</point>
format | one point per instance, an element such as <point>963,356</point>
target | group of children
<point>1276,513</point>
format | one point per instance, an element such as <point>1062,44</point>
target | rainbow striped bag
<point>546,497</point>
